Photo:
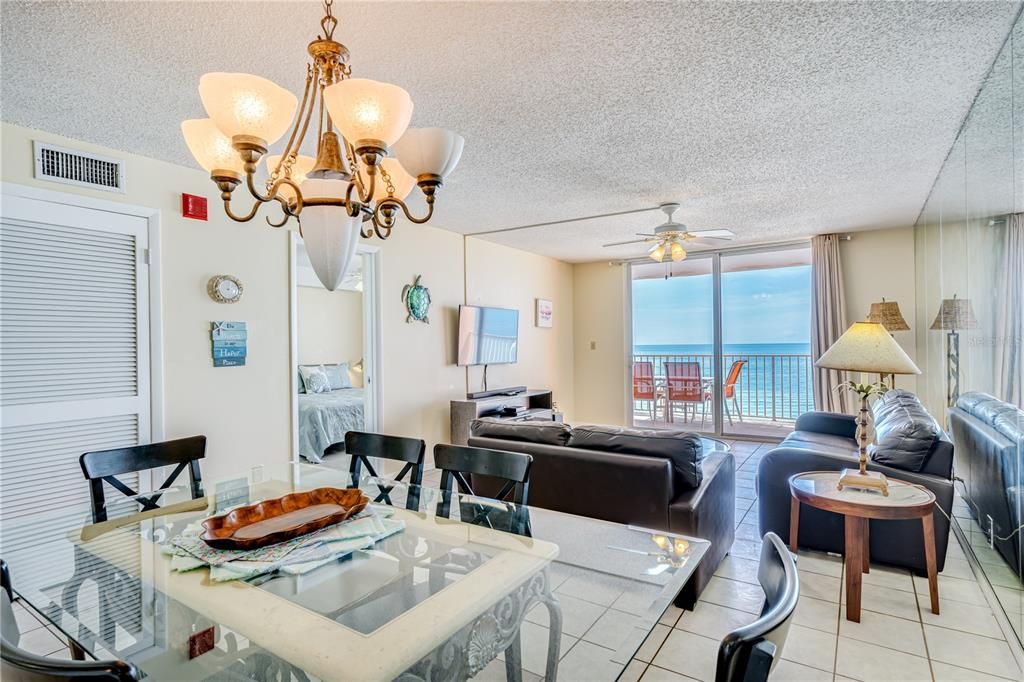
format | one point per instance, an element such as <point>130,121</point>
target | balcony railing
<point>775,387</point>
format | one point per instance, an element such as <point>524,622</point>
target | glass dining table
<point>459,587</point>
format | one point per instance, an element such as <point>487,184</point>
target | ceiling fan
<point>670,237</point>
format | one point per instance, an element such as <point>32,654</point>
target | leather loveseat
<point>659,479</point>
<point>909,446</point>
<point>989,437</point>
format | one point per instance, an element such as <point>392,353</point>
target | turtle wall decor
<point>417,301</point>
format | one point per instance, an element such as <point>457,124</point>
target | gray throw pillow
<point>314,379</point>
<point>337,376</point>
<point>905,434</point>
<point>548,433</point>
<point>683,449</point>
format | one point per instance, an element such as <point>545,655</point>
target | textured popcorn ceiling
<point>775,120</point>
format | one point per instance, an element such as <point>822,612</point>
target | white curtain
<point>828,318</point>
<point>1010,315</point>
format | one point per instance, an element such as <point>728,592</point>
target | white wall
<point>504,277</point>
<point>880,264</point>
<point>243,411</point>
<point>330,328</point>
<point>418,362</point>
<point>601,371</point>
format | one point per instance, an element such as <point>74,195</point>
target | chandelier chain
<point>387,180</point>
<point>328,23</point>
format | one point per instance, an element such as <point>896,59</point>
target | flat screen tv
<point>488,336</point>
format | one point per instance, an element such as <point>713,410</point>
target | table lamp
<point>954,313</point>
<point>866,347</point>
<point>888,314</point>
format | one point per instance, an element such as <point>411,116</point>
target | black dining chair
<point>459,464</point>
<point>748,654</point>
<point>18,664</point>
<point>107,465</point>
<point>362,446</point>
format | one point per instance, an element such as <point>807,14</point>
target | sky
<point>758,306</point>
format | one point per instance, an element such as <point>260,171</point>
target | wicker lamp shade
<point>887,314</point>
<point>955,313</point>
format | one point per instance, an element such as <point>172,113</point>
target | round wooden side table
<point>820,489</point>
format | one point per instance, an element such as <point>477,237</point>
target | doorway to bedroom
<point>335,347</point>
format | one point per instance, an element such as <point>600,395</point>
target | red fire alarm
<point>193,206</point>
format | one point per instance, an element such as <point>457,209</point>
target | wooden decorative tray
<point>283,518</point>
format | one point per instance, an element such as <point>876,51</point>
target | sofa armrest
<point>709,513</point>
<point>629,489</point>
<point>832,423</point>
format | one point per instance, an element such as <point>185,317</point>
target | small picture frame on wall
<point>545,314</point>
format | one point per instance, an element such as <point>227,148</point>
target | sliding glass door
<point>721,342</point>
<point>766,345</point>
<point>673,345</point>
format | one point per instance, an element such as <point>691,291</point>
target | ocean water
<point>775,381</point>
<point>727,349</point>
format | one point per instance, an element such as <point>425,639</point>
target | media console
<point>527,404</point>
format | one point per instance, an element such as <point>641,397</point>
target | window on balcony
<point>721,342</point>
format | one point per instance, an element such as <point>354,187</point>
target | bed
<point>324,418</point>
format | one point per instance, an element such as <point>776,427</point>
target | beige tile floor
<point>898,637</point>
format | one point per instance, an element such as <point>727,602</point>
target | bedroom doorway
<point>335,353</point>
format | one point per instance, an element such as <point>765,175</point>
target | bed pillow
<point>337,376</point>
<point>315,379</point>
<point>302,386</point>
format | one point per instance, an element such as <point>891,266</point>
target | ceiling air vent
<point>73,167</point>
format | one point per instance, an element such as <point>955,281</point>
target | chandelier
<point>358,182</point>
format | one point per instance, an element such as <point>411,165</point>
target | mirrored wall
<point>970,302</point>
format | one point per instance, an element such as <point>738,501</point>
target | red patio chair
<point>684,385</point>
<point>732,390</point>
<point>644,389</point>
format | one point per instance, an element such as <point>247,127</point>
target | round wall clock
<point>224,289</point>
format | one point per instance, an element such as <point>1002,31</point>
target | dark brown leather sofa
<point>910,446</point>
<point>659,480</point>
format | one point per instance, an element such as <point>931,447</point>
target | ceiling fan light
<point>678,252</point>
<point>300,168</point>
<point>243,104</point>
<point>429,151</point>
<point>330,234</point>
<point>369,110</point>
<point>211,148</point>
<point>657,252</point>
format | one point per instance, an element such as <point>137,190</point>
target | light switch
<point>593,345</point>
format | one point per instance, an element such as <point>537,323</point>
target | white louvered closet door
<point>74,365</point>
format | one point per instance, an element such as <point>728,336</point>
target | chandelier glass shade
<point>211,148</point>
<point>357,184</point>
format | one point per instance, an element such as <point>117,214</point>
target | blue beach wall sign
<point>229,343</point>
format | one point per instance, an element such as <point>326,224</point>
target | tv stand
<point>514,390</point>
<point>530,405</point>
